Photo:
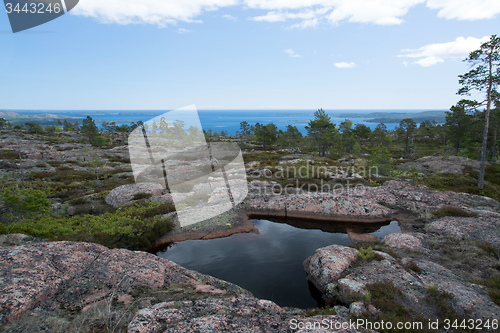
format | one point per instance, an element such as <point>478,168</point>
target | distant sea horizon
<point>229,120</point>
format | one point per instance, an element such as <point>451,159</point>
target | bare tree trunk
<point>486,127</point>
<point>483,148</point>
<point>495,132</point>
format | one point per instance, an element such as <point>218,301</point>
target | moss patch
<point>453,211</point>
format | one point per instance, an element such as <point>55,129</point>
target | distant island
<point>389,117</point>
<point>43,119</point>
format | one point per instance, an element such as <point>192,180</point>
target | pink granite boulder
<point>327,264</point>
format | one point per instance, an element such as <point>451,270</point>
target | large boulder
<point>327,265</point>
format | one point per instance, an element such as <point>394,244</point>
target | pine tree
<point>89,129</point>
<point>483,77</point>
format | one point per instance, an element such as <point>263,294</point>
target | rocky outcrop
<point>320,206</point>
<point>469,297</point>
<point>483,229</point>
<point>84,286</point>
<point>439,163</point>
<point>342,278</point>
<point>81,274</point>
<point>242,314</point>
<point>124,194</point>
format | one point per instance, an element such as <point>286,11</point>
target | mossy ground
<point>467,182</point>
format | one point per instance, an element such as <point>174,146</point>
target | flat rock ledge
<point>47,280</point>
<point>82,274</point>
<point>320,206</point>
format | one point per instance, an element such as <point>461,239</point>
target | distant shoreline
<point>229,120</point>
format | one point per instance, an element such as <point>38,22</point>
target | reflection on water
<point>268,264</point>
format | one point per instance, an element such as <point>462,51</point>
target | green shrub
<point>368,254</point>
<point>135,226</point>
<point>19,202</point>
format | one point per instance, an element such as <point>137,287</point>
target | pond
<point>269,264</point>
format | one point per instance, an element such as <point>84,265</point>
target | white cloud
<point>159,12</point>
<point>384,12</point>
<point>292,53</point>
<point>465,9</point>
<point>308,13</point>
<point>345,64</point>
<point>230,17</point>
<point>435,53</point>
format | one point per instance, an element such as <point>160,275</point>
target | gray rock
<point>124,194</point>
<point>357,308</point>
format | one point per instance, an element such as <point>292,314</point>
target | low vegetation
<point>368,254</point>
<point>453,211</point>
<point>392,306</point>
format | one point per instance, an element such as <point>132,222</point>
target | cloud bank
<point>302,13</point>
<point>435,53</point>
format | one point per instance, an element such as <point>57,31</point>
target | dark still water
<point>268,264</point>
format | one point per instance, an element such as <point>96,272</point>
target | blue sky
<point>245,54</point>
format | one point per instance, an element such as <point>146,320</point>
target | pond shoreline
<point>242,224</point>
